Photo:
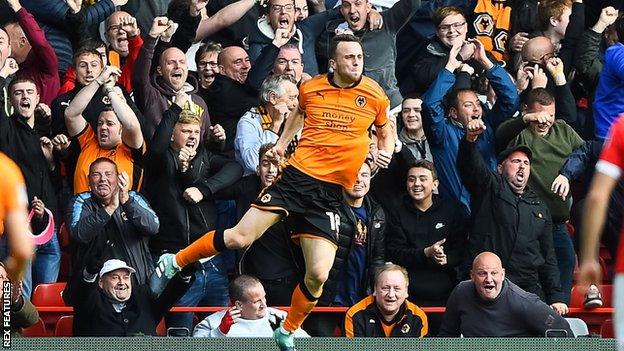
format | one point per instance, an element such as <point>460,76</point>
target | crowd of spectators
<point>140,125</point>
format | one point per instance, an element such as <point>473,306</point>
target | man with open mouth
<point>490,305</point>
<point>509,218</point>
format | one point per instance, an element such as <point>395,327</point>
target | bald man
<point>538,50</point>
<point>488,305</point>
<point>230,96</point>
<point>155,94</point>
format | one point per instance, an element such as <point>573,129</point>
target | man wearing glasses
<point>124,43</point>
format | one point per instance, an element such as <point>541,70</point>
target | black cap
<point>510,150</point>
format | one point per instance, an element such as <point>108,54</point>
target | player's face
<point>108,130</point>
<point>362,183</point>
<point>117,285</point>
<point>452,30</point>
<point>207,68</point>
<point>267,171</point>
<point>390,291</point>
<point>348,62</point>
<point>420,184</point>
<point>186,134</point>
<point>468,108</point>
<point>411,113</point>
<point>516,169</point>
<point>173,68</point>
<point>254,306</point>
<point>88,67</point>
<point>24,98</point>
<point>542,128</point>
<point>355,13</point>
<point>103,180</point>
<point>487,276</point>
<point>288,61</point>
<point>282,14</point>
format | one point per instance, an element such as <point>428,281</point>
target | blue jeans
<point>566,258</point>
<point>45,268</point>
<point>209,289</point>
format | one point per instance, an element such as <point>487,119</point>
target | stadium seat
<point>606,329</point>
<point>64,327</point>
<point>49,294</point>
<point>578,327</point>
<point>37,330</point>
<point>161,329</point>
<point>577,296</point>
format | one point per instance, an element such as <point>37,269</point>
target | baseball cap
<point>113,265</point>
<point>510,150</point>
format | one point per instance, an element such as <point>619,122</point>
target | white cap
<point>113,265</point>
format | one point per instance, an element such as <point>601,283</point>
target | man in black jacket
<point>509,219</point>
<point>427,235</point>
<point>181,178</point>
<point>32,152</point>
<point>113,306</point>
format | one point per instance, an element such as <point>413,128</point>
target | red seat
<point>161,329</point>
<point>36,330</point>
<point>606,329</point>
<point>49,294</point>
<point>578,297</point>
<point>64,327</point>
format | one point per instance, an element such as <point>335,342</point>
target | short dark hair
<point>102,160</point>
<point>22,78</point>
<point>263,149</point>
<point>342,38</point>
<point>89,47</point>
<point>452,98</point>
<point>206,48</point>
<point>444,12</point>
<point>541,96</point>
<point>238,287</point>
<point>619,28</point>
<point>426,164</point>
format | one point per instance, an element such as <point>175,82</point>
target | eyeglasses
<point>284,8</point>
<point>202,64</point>
<point>447,27</point>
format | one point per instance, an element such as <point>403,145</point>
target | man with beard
<point>33,153</point>
<point>118,135</point>
<point>114,305</point>
<point>379,45</point>
<point>112,220</point>
<point>339,109</point>
<point>509,218</point>
<point>154,94</point>
<point>181,179</point>
<point>490,305</point>
<point>445,128</point>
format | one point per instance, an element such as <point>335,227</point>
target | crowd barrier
<point>312,344</point>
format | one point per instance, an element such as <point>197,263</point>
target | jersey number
<point>334,221</point>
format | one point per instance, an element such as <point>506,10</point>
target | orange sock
<point>300,307</point>
<point>201,248</point>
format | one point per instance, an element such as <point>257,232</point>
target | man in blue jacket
<point>444,133</point>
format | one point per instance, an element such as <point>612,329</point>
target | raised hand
<point>192,195</point>
<point>481,56</point>
<point>453,63</point>
<point>39,207</point>
<point>124,184</point>
<point>74,5</point>
<point>229,318</point>
<point>169,32</point>
<point>61,142</point>
<point>518,40</point>
<point>185,156</point>
<point>536,117</point>
<point>43,111</point>
<point>159,26</point>
<point>474,128</point>
<point>608,15</point>
<point>555,66</point>
<point>14,4</point>
<point>282,36</point>
<point>109,72</point>
<point>539,78</point>
<point>467,50</point>
<point>10,67</point>
<point>375,21</point>
<point>523,77</point>
<point>47,147</point>
<point>129,25</point>
<point>217,133</point>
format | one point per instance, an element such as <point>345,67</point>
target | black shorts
<point>312,205</point>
